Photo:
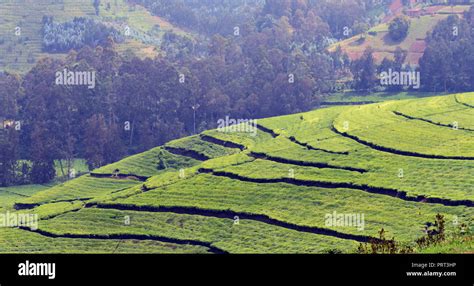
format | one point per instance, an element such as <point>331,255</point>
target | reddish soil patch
<point>416,52</point>
<point>433,9</point>
<point>414,58</point>
<point>396,6</point>
<point>418,47</point>
<point>379,56</point>
<point>354,55</point>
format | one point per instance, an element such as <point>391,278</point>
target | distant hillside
<point>21,28</point>
<point>423,20</point>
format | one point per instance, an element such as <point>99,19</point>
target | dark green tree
<point>398,28</point>
<point>364,71</point>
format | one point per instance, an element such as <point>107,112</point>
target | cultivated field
<point>398,163</point>
<point>20,51</point>
<point>384,47</point>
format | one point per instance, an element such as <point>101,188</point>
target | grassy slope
<point>78,165</point>
<point>384,47</point>
<point>16,50</point>
<point>276,212</point>
<point>35,243</point>
<point>368,123</point>
<point>8,196</point>
<point>456,244</point>
<point>145,38</point>
<point>145,164</point>
<point>246,236</point>
<point>360,97</point>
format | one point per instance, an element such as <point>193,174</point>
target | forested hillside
<point>237,126</point>
<point>268,59</point>
<point>237,59</point>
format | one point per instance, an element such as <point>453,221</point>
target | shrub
<point>434,233</point>
<point>62,37</point>
<point>398,28</point>
<point>383,246</point>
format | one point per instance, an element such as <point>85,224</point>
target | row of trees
<point>210,17</point>
<point>269,69</point>
<point>9,139</point>
<point>448,61</point>
<point>365,70</point>
<point>276,64</point>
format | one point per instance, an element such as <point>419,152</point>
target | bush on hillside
<point>398,28</point>
<point>75,34</point>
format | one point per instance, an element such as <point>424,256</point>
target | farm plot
<point>280,185</point>
<point>147,164</point>
<point>198,149</point>
<point>441,111</point>
<point>229,235</point>
<point>13,240</point>
<point>300,205</point>
<point>82,188</point>
<point>376,125</point>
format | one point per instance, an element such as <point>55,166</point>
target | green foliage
<point>462,242</point>
<point>372,97</point>
<point>294,204</point>
<point>42,172</point>
<point>10,195</point>
<point>398,28</point>
<point>434,241</point>
<point>78,166</point>
<point>447,63</point>
<point>63,37</point>
<point>435,233</point>
<point>242,236</point>
<point>19,241</point>
<point>369,121</point>
<point>291,186</point>
<point>79,189</point>
<point>207,149</point>
<point>131,109</point>
<point>383,246</point>
<point>148,163</point>
<point>399,163</point>
<point>363,71</point>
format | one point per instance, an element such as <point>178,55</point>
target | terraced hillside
<point>398,163</point>
<point>20,51</point>
<point>384,47</point>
